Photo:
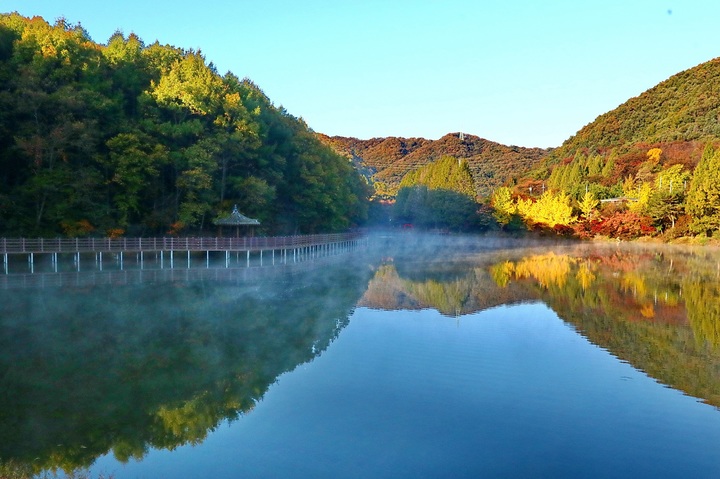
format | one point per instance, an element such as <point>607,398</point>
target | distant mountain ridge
<point>679,115</point>
<point>387,160</point>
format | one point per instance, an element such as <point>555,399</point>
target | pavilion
<point>236,219</point>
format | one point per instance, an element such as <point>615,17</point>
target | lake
<point>420,356</point>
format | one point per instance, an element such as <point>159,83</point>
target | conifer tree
<point>703,197</point>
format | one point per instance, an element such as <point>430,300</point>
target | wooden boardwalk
<point>134,245</point>
<point>165,249</point>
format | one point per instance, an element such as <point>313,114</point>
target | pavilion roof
<point>236,218</point>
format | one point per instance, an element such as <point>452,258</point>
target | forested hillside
<point>649,167</point>
<point>440,195</point>
<point>387,160</point>
<point>136,139</point>
<point>683,108</point>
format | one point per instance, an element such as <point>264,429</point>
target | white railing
<point>88,245</point>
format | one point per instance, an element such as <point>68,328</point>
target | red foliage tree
<point>623,225</point>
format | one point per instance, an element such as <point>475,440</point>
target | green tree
<point>150,138</point>
<point>130,75</point>
<point>447,173</point>
<point>195,183</point>
<point>665,209</point>
<point>609,166</point>
<point>667,201</point>
<point>135,160</point>
<point>703,197</point>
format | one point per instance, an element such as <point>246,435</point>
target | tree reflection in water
<point>656,307</point>
<point>128,368</point>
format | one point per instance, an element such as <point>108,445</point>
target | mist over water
<point>417,356</point>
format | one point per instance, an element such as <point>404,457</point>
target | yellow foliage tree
<point>503,205</point>
<point>643,194</point>
<point>551,209</point>
<point>653,154</point>
<point>588,204</point>
<point>629,186</point>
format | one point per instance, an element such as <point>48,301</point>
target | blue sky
<point>527,73</point>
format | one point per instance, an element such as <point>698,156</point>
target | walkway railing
<point>167,252</point>
<point>101,245</point>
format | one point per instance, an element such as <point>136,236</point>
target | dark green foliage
<point>140,367</point>
<point>151,139</point>
<point>438,195</point>
<point>436,208</point>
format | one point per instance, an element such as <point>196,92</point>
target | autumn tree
<point>588,205</point>
<point>550,209</point>
<point>504,207</point>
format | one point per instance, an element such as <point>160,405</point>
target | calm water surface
<point>550,361</point>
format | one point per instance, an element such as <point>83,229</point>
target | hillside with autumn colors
<point>655,308</point>
<point>684,108</point>
<point>386,161</point>
<point>650,167</point>
<point>124,138</point>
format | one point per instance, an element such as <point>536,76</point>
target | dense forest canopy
<point>128,138</point>
<point>439,195</point>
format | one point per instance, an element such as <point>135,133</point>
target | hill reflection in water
<point>656,307</point>
<point>131,368</point>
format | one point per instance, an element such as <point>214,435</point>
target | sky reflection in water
<point>477,390</point>
<point>511,391</point>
